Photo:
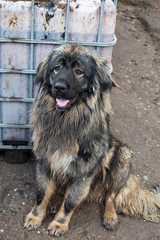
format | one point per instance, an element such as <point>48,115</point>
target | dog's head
<point>71,74</point>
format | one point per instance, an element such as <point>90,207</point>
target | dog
<point>76,154</point>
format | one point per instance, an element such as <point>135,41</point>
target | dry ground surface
<point>136,120</point>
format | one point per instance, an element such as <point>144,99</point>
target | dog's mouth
<point>63,104</point>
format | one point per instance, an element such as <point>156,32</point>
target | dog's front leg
<point>74,195</point>
<point>38,213</point>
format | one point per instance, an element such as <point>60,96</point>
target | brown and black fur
<point>75,151</point>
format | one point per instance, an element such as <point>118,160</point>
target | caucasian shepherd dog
<point>75,151</point>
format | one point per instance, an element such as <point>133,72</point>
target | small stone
<point>18,194</point>
<point>145,178</point>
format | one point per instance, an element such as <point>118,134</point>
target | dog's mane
<point>66,126</point>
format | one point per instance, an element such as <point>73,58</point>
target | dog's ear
<point>41,71</point>
<point>105,79</point>
<point>103,74</point>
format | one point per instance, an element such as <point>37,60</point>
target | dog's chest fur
<point>61,162</point>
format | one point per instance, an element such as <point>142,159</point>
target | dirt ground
<point>136,120</point>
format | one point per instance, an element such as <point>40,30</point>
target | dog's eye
<point>78,72</point>
<point>57,69</point>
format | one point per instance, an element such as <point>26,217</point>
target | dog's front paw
<point>32,221</point>
<point>110,222</point>
<point>57,229</point>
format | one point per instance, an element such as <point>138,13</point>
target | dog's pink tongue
<point>62,102</point>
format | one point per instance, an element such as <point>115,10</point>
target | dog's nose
<point>60,87</point>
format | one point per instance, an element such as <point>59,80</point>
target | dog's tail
<point>135,201</point>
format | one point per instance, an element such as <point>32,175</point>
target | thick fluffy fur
<point>76,154</point>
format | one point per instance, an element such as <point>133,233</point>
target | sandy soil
<point>136,120</point>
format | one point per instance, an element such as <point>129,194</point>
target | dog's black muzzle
<point>61,88</point>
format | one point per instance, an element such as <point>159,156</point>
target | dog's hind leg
<point>74,195</point>
<point>38,213</point>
